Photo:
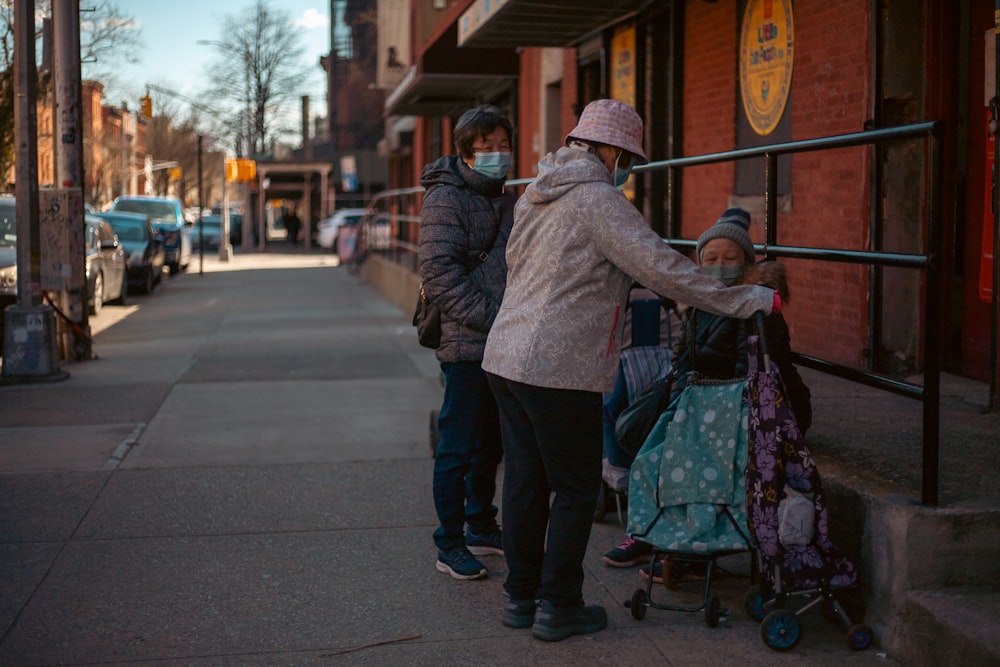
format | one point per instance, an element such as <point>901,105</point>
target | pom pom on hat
<point>733,224</point>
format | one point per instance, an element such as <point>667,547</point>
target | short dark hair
<point>476,123</point>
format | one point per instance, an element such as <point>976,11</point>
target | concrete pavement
<point>243,477</point>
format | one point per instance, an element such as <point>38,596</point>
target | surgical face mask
<point>621,175</point>
<point>726,274</point>
<point>493,165</point>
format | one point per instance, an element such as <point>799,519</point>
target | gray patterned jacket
<point>576,247</point>
<point>459,216</point>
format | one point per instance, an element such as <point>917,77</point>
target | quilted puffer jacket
<point>576,247</point>
<point>462,211</point>
<point>716,346</point>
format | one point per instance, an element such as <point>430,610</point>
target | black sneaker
<point>628,553</point>
<point>460,564</point>
<point>518,613</point>
<point>489,544</point>
<point>555,623</point>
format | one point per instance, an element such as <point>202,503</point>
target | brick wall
<point>828,314</point>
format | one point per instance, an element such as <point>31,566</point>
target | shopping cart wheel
<point>780,630</point>
<point>859,637</point>
<point>753,605</point>
<point>712,612</point>
<point>435,434</point>
<point>637,604</point>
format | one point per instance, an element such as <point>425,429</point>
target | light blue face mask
<point>725,274</point>
<point>621,175</point>
<point>493,165</point>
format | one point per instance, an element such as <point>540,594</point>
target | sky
<point>171,57</point>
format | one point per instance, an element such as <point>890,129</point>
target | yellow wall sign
<point>766,52</point>
<point>623,65</point>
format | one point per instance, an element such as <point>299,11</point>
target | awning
<point>446,80</point>
<point>560,23</point>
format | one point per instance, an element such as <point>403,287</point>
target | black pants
<point>552,441</point>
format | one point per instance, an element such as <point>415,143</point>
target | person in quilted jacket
<point>716,346</point>
<point>577,246</point>
<point>465,220</point>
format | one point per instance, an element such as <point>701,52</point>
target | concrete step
<point>930,584</point>
<point>952,626</point>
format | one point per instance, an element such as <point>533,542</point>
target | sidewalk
<point>243,477</point>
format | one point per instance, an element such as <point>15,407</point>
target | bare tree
<point>107,37</point>
<point>258,73</point>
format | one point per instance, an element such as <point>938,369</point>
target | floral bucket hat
<point>613,123</point>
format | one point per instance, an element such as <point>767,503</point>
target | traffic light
<point>146,106</point>
<point>240,169</point>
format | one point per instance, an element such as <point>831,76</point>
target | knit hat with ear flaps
<point>733,224</point>
<point>613,123</point>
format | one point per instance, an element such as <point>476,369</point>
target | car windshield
<point>8,230</point>
<point>129,231</point>
<point>157,209</point>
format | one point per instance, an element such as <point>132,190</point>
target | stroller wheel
<point>638,604</point>
<point>713,612</point>
<point>753,604</point>
<point>780,630</point>
<point>859,637</point>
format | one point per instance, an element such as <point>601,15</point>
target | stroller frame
<point>642,598</point>
<point>779,624</point>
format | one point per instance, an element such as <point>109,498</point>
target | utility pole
<point>994,402</point>
<point>29,326</point>
<point>69,172</point>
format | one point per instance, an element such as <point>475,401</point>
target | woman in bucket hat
<point>577,246</point>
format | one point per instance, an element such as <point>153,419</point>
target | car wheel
<point>98,300</point>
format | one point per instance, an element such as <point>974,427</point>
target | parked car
<point>210,231</point>
<point>326,235</point>
<point>106,265</point>
<point>144,246</point>
<point>235,225</point>
<point>167,215</point>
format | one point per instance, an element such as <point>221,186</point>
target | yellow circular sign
<point>766,59</point>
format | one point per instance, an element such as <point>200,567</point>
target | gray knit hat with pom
<point>733,224</point>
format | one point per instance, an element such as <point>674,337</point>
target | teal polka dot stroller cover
<point>686,492</point>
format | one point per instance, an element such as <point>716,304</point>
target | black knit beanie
<point>733,224</point>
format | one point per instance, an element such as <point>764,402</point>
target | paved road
<point>243,478</point>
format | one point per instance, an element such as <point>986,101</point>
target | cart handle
<point>759,320</point>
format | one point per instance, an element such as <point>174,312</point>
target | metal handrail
<point>929,392</point>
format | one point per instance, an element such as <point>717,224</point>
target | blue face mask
<point>725,274</point>
<point>621,175</point>
<point>493,165</point>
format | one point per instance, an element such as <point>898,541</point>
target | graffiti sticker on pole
<point>766,42</point>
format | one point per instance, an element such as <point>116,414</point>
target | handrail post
<point>932,329</point>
